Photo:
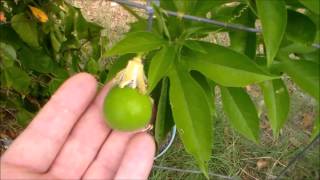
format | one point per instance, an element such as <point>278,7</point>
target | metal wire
<point>298,156</point>
<point>150,12</point>
<point>190,17</point>
<point>173,135</point>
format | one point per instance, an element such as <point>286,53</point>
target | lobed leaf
<point>305,74</point>
<point>160,65</point>
<point>273,16</point>
<point>136,42</point>
<point>191,114</point>
<point>276,98</point>
<point>225,66</point>
<point>313,5</point>
<point>241,112</point>
<point>164,120</point>
<point>300,28</point>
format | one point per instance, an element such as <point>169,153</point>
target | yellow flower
<point>39,14</point>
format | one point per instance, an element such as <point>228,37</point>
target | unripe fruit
<point>126,109</point>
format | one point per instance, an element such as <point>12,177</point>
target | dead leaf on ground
<point>307,120</point>
<point>254,92</point>
<point>262,163</point>
<point>265,125</point>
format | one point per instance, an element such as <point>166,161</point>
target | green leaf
<point>297,48</point>
<point>184,6</point>
<point>36,60</point>
<point>225,66</point>
<point>312,56</point>
<point>273,16</point>
<point>161,21</point>
<point>136,42</point>
<point>191,114</point>
<point>241,41</point>
<point>221,11</point>
<point>118,65</point>
<point>24,117</point>
<point>169,5</point>
<point>195,46</point>
<point>305,74</point>
<point>7,55</point>
<point>9,36</point>
<point>208,89</point>
<point>160,65</point>
<point>276,98</point>
<point>54,42</point>
<point>300,28</point>
<point>54,84</point>
<point>16,78</point>
<point>313,5</point>
<point>92,66</point>
<point>26,28</point>
<point>164,120</point>
<point>316,128</point>
<point>241,112</point>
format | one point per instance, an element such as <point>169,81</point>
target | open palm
<point>69,139</point>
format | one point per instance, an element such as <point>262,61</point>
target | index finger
<point>38,145</point>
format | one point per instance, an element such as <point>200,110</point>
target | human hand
<point>68,139</point>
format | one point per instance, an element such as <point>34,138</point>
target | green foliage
<point>305,74</point>
<point>241,112</point>
<point>183,66</point>
<point>42,48</point>
<point>26,28</point>
<point>300,28</point>
<point>273,16</point>
<point>136,42</point>
<point>276,98</point>
<point>164,120</point>
<point>237,71</point>
<point>173,48</point>
<point>191,113</point>
<point>160,65</point>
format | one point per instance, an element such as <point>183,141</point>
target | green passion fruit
<point>126,109</point>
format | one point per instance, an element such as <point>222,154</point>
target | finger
<point>109,158</point>
<point>138,158</point>
<point>38,145</point>
<point>84,142</point>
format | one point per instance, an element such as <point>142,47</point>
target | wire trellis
<point>150,11</point>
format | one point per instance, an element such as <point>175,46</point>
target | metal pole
<point>150,12</point>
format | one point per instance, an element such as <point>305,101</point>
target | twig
<point>248,174</point>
